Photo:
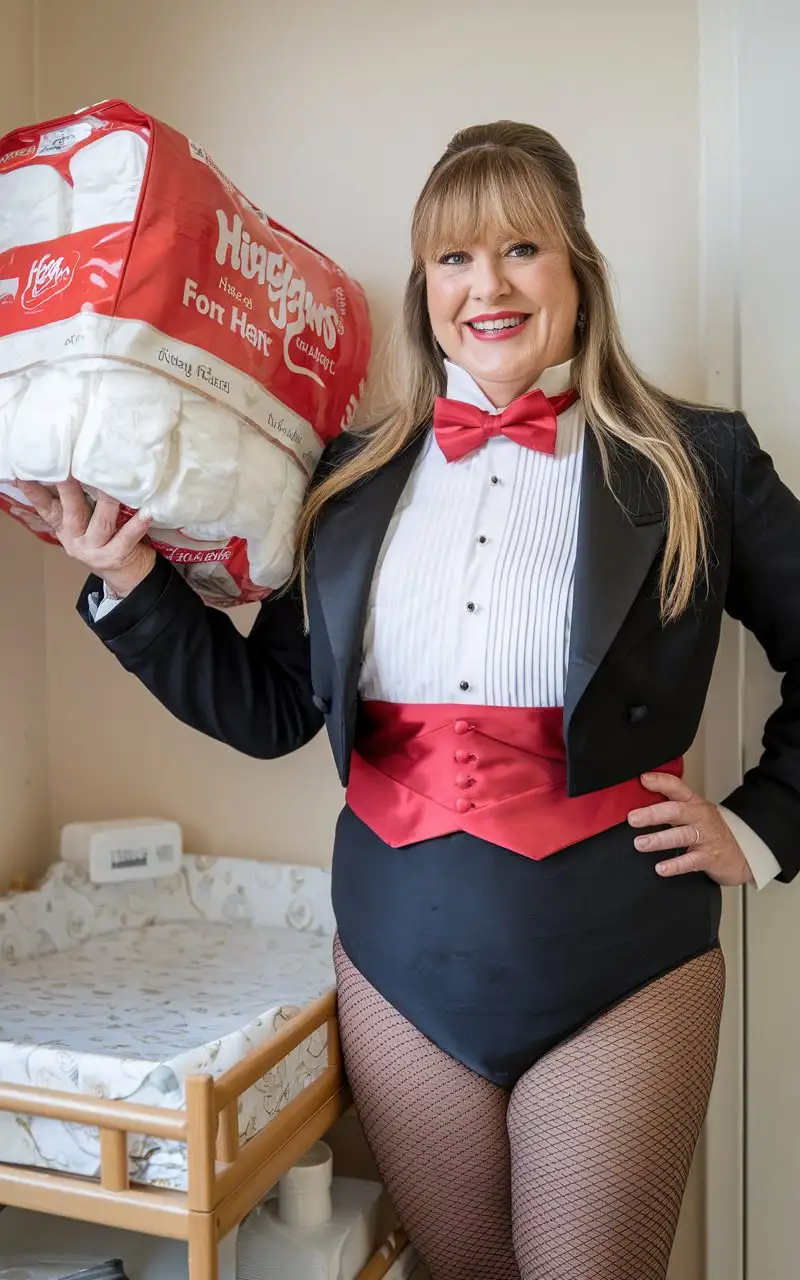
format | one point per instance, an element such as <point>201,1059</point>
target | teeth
<point>497,324</point>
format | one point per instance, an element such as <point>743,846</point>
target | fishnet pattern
<point>604,1127</point>
<point>587,1163</point>
<point>437,1132</point>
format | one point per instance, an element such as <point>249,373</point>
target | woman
<point>513,616</point>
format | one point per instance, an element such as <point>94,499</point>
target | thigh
<point>603,1129</point>
<point>438,1134</point>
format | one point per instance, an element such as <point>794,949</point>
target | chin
<point>507,370</point>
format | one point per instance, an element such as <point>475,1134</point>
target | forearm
<point>252,692</point>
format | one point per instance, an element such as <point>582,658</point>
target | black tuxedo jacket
<point>635,688</point>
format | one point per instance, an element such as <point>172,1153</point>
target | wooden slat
<point>238,1078</point>
<point>102,1113</point>
<point>150,1210</point>
<point>267,1156</point>
<point>201,1125</point>
<point>388,1253</point>
<point>114,1160</point>
<point>228,1134</point>
<point>203,1247</point>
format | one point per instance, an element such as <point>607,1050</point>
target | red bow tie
<point>532,421</point>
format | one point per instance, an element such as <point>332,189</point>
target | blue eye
<point>524,250</point>
<point>447,259</point>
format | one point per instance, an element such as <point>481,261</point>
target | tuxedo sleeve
<point>764,594</point>
<point>252,692</point>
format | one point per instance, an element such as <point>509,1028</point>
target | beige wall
<point>330,116</point>
<point>23,713</point>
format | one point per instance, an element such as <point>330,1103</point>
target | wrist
<point>121,582</point>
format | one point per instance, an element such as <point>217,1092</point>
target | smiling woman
<point>514,587</point>
<point>500,227</point>
<point>522,295</point>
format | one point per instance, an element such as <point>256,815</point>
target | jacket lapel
<point>617,544</point>
<point>346,547</point>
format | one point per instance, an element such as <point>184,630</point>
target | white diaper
<point>35,204</point>
<point>126,441</point>
<point>200,481</point>
<point>108,178</point>
<point>47,422</point>
<point>12,389</point>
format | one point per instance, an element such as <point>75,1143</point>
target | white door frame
<point>724,720</point>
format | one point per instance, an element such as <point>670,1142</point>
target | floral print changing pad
<point>121,991</point>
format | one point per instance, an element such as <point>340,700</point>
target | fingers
<point>694,860</point>
<point>694,825</point>
<point>675,838</point>
<point>42,501</point>
<point>75,509</point>
<point>654,815</point>
<point>672,809</point>
<point>109,545</point>
<point>91,536</point>
<point>103,523</point>
<point>130,535</point>
<point>668,785</point>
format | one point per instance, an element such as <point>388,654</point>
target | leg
<point>203,1247</point>
<point>438,1134</point>
<point>603,1129</point>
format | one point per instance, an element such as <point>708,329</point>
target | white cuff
<point>101,606</point>
<point>760,858</point>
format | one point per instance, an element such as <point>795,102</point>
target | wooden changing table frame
<point>225,1179</point>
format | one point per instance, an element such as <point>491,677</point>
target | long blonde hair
<point>519,180</point>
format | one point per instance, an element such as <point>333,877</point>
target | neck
<point>501,393</point>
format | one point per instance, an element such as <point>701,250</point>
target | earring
<point>581,319</point>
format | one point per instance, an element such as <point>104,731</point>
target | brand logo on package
<point>48,278</point>
<point>294,308</point>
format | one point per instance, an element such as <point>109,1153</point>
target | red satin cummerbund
<point>499,773</point>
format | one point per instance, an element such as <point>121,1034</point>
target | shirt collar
<point>462,386</point>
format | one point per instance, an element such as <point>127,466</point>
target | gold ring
<point>696,838</point>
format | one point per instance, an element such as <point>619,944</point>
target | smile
<point>497,327</point>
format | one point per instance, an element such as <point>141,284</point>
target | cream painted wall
<point>330,116</point>
<point>23,739</point>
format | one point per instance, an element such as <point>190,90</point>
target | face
<point>504,311</point>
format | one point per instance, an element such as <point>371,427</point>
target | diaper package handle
<point>164,340</point>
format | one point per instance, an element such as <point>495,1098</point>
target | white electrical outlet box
<point>124,849</point>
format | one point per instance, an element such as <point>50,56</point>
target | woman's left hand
<point>696,825</point>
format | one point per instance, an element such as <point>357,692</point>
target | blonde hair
<point>518,180</point>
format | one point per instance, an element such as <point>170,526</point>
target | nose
<point>488,282</point>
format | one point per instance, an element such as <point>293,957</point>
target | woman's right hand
<point>121,557</point>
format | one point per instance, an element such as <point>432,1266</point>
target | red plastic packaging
<point>202,288</point>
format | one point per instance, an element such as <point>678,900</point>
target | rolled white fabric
<point>271,557</point>
<point>126,445</point>
<point>201,483</point>
<point>47,422</point>
<point>12,389</point>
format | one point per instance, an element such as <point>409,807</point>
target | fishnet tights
<point>580,1172</point>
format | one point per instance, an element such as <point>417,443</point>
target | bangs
<point>483,193</point>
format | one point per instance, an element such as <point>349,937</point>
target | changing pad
<point>121,991</point>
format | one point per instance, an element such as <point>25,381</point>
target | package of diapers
<point>167,343</point>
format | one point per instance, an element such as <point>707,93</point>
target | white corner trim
<point>720,260</point>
